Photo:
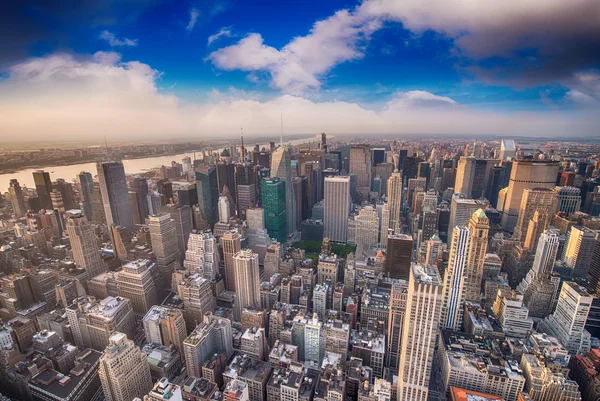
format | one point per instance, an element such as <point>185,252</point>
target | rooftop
<point>61,385</point>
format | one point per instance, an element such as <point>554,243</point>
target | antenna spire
<point>281,138</point>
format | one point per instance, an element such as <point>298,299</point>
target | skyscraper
<point>182,219</point>
<point>336,207</point>
<point>247,279</point>
<point>461,211</point>
<point>135,282</point>
<point>86,183</point>
<point>567,322</point>
<point>43,187</point>
<point>579,250</point>
<point>274,205</point>
<point>399,252</point>
<point>212,335</point>
<point>124,370</point>
<point>17,199</point>
<point>465,173</point>
<point>569,199</point>
<point>396,316</point>
<point>208,193</point>
<point>66,191</point>
<point>360,165</point>
<point>479,227</point>
<point>231,244</point>
<point>454,280</point>
<point>115,197</point>
<point>367,226</point>
<point>92,322</point>
<point>164,243</point>
<point>224,210</point>
<point>394,192</point>
<point>165,326</point>
<point>542,200</point>
<point>528,173</point>
<point>82,237</point>
<point>202,255</point>
<point>140,189</point>
<point>507,149</point>
<point>419,332</point>
<point>281,168</point>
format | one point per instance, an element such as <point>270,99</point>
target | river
<point>132,166</point>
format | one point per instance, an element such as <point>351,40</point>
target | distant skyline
<point>151,69</point>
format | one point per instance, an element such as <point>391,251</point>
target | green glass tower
<point>273,200</point>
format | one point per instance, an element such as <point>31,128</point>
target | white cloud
<point>70,97</point>
<point>224,32</point>
<point>113,41</point>
<point>67,97</point>
<point>562,36</point>
<point>194,14</point>
<point>300,64</point>
<point>584,88</point>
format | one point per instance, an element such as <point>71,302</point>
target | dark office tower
<point>98,213</point>
<point>121,240</point>
<point>323,143</point>
<point>208,193</point>
<point>443,221</point>
<point>594,271</point>
<point>498,179</point>
<point>226,178</point>
<point>398,256</point>
<point>43,187</point>
<point>274,206</point>
<point>245,188</point>
<point>86,182</point>
<point>17,199</point>
<point>401,156</point>
<point>115,194</point>
<point>33,203</point>
<point>582,168</point>
<point>587,189</point>
<point>338,153</point>
<point>165,189</point>
<point>481,176</point>
<point>300,194</point>
<point>448,178</point>
<point>378,155</point>
<point>262,158</point>
<point>410,168</point>
<point>139,187</point>
<point>188,195</point>
<point>66,191</point>
<point>135,208</point>
<point>425,171</point>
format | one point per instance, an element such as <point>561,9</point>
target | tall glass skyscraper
<point>208,193</point>
<point>274,205</point>
<point>115,194</point>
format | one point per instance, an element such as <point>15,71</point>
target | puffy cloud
<point>86,97</point>
<point>300,64</point>
<point>113,41</point>
<point>585,88</point>
<point>538,41</point>
<point>194,14</point>
<point>224,32</point>
<point>64,96</point>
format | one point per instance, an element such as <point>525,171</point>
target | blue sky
<point>185,68</point>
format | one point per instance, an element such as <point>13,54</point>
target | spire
<point>242,133</point>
